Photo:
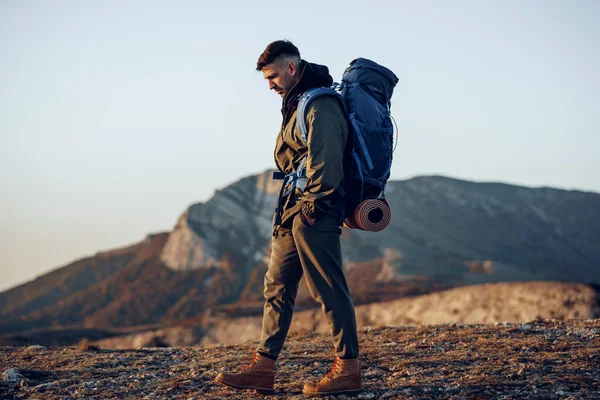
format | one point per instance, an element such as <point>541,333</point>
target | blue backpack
<point>365,96</point>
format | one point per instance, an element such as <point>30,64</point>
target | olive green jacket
<point>324,151</point>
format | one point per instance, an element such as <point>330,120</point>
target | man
<point>306,232</point>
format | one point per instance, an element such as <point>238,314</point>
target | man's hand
<point>307,214</point>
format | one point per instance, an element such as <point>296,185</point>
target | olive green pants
<point>314,251</point>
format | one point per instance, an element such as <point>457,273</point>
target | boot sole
<point>259,390</point>
<point>345,391</point>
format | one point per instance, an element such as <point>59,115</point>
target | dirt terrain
<point>549,359</point>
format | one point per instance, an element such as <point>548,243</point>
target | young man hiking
<point>306,227</point>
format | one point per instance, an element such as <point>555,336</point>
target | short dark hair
<point>275,50</point>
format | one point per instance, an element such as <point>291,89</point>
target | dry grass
<point>85,345</point>
<point>537,360</point>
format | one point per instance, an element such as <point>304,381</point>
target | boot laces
<point>335,369</point>
<point>253,358</point>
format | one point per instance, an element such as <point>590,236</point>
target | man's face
<point>281,75</point>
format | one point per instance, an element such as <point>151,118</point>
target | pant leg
<point>319,250</point>
<point>281,287</point>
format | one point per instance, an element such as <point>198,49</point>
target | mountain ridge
<point>445,232</point>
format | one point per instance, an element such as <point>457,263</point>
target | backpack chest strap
<point>295,179</point>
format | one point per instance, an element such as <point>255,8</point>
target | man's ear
<point>292,69</point>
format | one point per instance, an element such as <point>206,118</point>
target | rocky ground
<point>538,360</point>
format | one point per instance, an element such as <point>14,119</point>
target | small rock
<point>43,385</point>
<point>36,347</point>
<point>525,328</point>
<point>366,396</point>
<point>12,375</point>
<point>374,372</point>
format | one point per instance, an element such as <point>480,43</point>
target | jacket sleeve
<point>327,135</point>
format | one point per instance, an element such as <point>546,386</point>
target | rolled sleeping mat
<point>371,215</point>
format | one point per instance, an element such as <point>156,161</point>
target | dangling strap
<point>361,142</point>
<point>296,179</point>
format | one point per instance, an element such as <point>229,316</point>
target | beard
<point>279,90</point>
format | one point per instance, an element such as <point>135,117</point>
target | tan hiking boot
<point>344,377</point>
<point>258,375</point>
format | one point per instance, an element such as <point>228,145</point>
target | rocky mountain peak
<point>235,222</point>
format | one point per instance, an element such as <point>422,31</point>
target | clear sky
<point>117,115</point>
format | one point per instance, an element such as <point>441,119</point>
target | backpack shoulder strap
<point>304,104</point>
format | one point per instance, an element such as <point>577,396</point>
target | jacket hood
<point>313,76</point>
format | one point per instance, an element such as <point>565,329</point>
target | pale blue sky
<point>117,115</point>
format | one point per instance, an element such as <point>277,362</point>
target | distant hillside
<point>135,289</point>
<point>444,233</point>
<point>477,304</point>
